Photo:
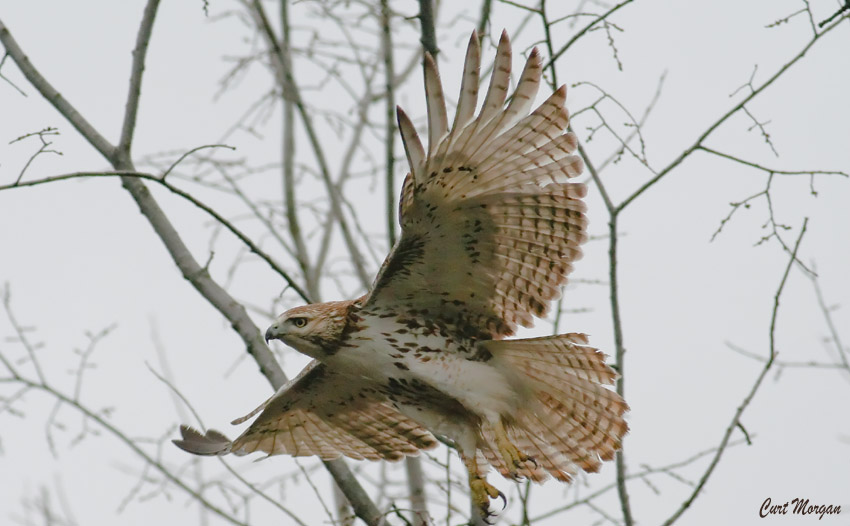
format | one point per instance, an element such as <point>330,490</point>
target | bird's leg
<point>513,457</point>
<point>481,490</point>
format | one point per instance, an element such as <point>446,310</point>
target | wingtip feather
<point>197,443</point>
<point>468,96</point>
<point>412,145</point>
<point>438,121</point>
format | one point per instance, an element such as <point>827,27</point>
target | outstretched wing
<point>320,413</point>
<point>490,225</point>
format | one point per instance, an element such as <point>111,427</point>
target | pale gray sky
<point>79,257</point>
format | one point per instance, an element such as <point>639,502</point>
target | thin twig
<point>772,170</point>
<point>389,115</point>
<point>619,359</point>
<point>45,147</point>
<point>556,55</point>
<point>811,364</point>
<point>716,124</point>
<point>20,333</point>
<point>190,152</point>
<point>736,418</point>
<point>484,19</point>
<point>2,76</point>
<point>636,128</point>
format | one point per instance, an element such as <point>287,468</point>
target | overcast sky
<point>78,257</point>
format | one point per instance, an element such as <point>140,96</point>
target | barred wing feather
<point>490,221</point>
<point>320,413</point>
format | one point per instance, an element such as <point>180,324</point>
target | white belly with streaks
<point>481,386</point>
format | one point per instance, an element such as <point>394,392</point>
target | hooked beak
<point>271,332</point>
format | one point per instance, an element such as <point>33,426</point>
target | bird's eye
<point>299,322</point>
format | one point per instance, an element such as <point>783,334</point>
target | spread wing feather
<point>468,97</point>
<point>412,146</point>
<point>320,413</point>
<point>438,122</point>
<point>490,223</point>
<point>497,92</point>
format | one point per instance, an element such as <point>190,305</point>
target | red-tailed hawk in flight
<point>490,229</point>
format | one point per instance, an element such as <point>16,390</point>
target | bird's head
<point>314,330</point>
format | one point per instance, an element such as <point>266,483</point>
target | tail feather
<point>545,454</point>
<point>564,435</point>
<point>567,355</point>
<point>574,421</point>
<point>580,395</point>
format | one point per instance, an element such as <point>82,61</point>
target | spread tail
<point>574,421</point>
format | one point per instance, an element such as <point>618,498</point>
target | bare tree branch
<point>416,487</point>
<point>772,170</point>
<point>290,205</point>
<point>620,351</point>
<point>389,114</point>
<point>735,109</point>
<point>135,88</point>
<point>843,9</point>
<point>427,22</point>
<point>284,75</point>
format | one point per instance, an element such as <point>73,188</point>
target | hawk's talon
<point>521,459</point>
<point>482,492</point>
<point>487,515</point>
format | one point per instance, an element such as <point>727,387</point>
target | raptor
<point>491,226</point>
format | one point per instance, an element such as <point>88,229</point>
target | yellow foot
<point>513,457</point>
<point>482,492</point>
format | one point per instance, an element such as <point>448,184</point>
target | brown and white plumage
<point>491,226</point>
<point>494,193</point>
<point>327,416</point>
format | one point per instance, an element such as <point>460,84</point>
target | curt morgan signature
<point>799,506</point>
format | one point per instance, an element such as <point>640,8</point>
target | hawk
<point>490,227</point>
